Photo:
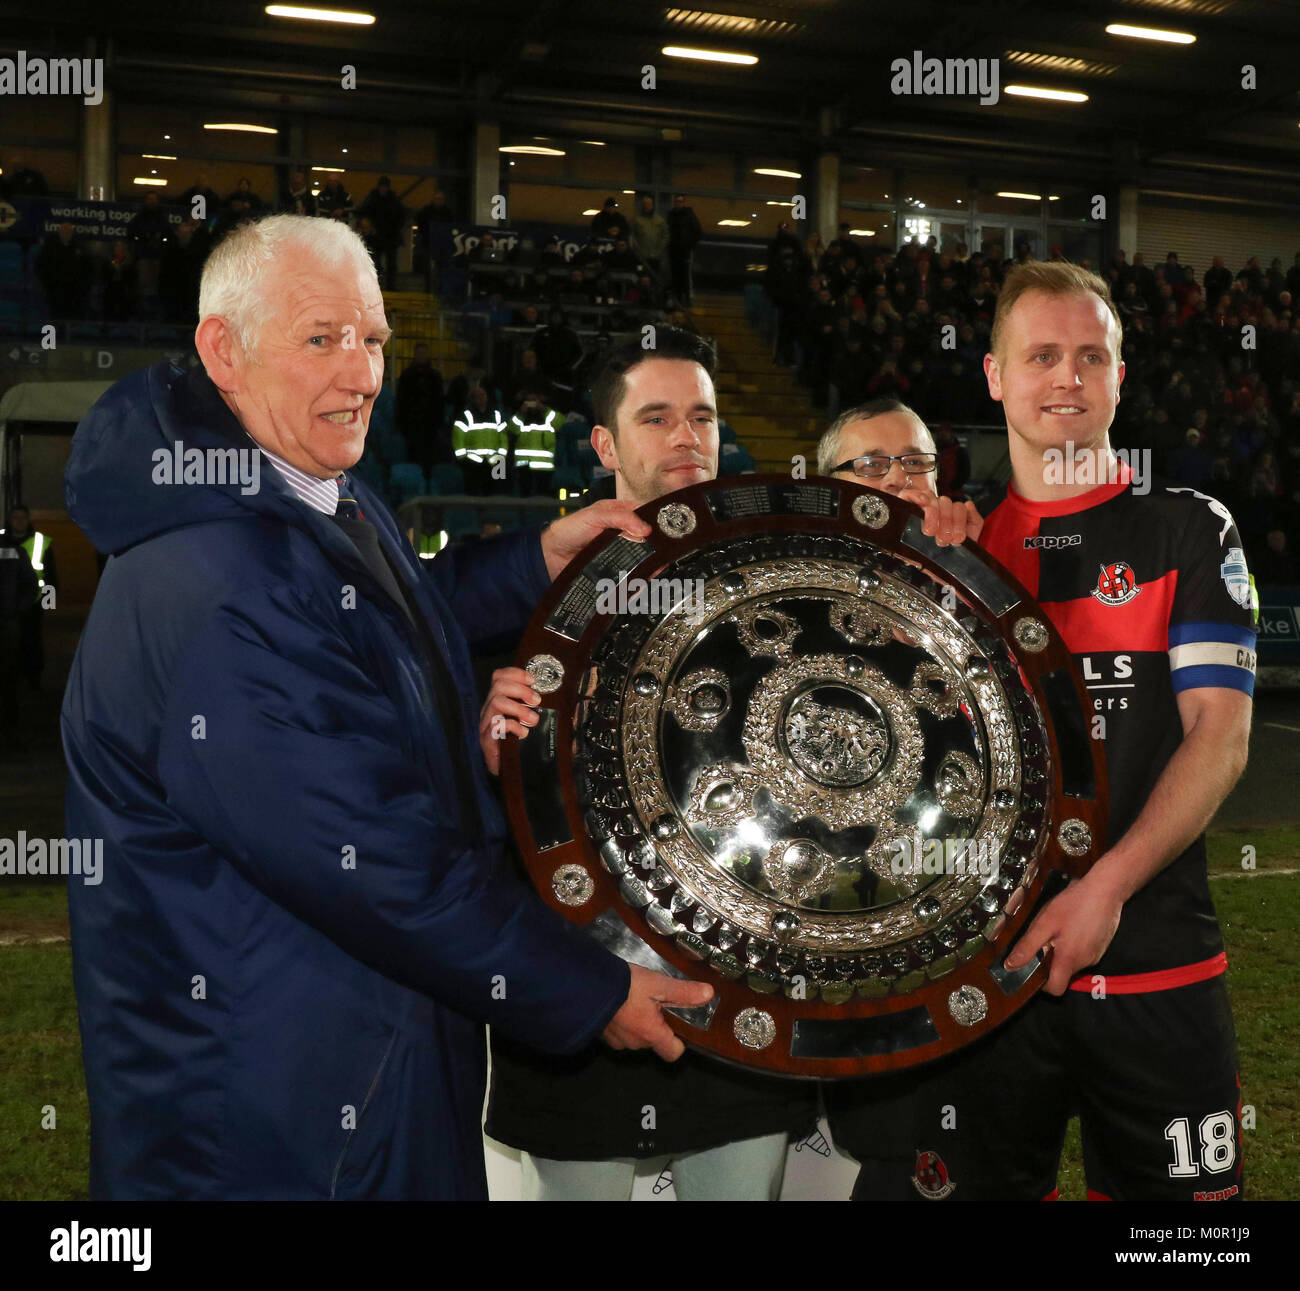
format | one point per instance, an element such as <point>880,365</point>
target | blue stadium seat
<point>406,481</point>
<point>11,264</point>
<point>587,461</point>
<point>569,439</point>
<point>735,460</point>
<point>388,442</point>
<point>725,434</point>
<point>447,478</point>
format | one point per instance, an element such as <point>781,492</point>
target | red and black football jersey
<point>1152,595</point>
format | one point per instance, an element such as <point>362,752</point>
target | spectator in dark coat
<point>384,209</point>
<point>19,596</point>
<point>559,354</point>
<point>608,222</point>
<point>244,193</point>
<point>1218,280</point>
<point>432,213</point>
<point>421,410</point>
<point>64,273</point>
<point>684,235</point>
<point>21,180</point>
<point>1274,563</point>
<point>211,207</point>
<point>121,281</point>
<point>147,233</point>
<point>180,271</point>
<point>333,198</point>
<point>299,200</point>
<point>952,469</point>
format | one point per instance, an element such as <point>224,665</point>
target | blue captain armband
<point>1212,654</point>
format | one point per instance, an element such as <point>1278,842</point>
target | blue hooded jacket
<point>283,973</point>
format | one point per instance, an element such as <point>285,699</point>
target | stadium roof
<point>823,71</point>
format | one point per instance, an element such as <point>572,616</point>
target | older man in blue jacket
<point>303,919</point>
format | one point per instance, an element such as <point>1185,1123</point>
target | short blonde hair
<point>235,275</point>
<point>1053,278</point>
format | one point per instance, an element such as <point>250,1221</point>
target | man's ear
<point>994,375</point>
<point>602,440</point>
<point>219,353</point>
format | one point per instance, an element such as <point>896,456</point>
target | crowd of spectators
<point>152,273</point>
<point>553,319</point>
<point>1212,384</point>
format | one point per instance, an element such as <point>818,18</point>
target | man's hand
<point>949,523</point>
<point>640,1024</point>
<point>508,710</point>
<point>564,539</point>
<point>1076,926</point>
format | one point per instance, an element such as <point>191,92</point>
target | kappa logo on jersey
<point>1117,584</point>
<point>1236,577</point>
<point>1053,541</point>
<point>931,1177</point>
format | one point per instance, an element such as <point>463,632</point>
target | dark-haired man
<point>580,1120</point>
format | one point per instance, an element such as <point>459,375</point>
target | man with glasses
<point>885,445</point>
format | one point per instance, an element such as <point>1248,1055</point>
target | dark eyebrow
<point>662,406</point>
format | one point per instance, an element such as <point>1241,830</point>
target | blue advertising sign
<point>1279,626</point>
<point>31,218</point>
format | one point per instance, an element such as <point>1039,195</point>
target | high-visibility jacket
<point>480,440</point>
<point>37,547</point>
<point>535,443</point>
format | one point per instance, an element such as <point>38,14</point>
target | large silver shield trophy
<point>791,746</point>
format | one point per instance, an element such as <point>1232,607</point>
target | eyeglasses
<point>877,464</point>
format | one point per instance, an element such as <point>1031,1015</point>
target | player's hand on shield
<point>563,539</point>
<point>640,1024</point>
<point>508,710</point>
<point>1072,930</point>
<point>949,523</point>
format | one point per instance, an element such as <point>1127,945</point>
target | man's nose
<point>359,370</point>
<point>686,433</point>
<point>895,478</point>
<point>1066,375</point>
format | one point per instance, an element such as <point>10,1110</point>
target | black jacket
<point>590,1106</point>
<point>19,590</point>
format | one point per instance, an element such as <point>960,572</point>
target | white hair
<point>236,278</point>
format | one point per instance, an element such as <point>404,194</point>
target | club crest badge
<point>931,1177</point>
<point>1117,584</point>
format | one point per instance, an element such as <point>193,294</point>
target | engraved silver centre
<point>837,735</point>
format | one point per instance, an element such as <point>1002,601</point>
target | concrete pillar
<point>828,196</point>
<point>485,182</point>
<point>97,180</point>
<point>827,214</point>
<point>1128,221</point>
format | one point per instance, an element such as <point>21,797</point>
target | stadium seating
<point>446,478</point>
<point>406,481</point>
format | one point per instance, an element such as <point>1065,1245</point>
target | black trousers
<point>1153,1078</point>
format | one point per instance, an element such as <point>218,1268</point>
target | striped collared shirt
<point>320,495</point>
